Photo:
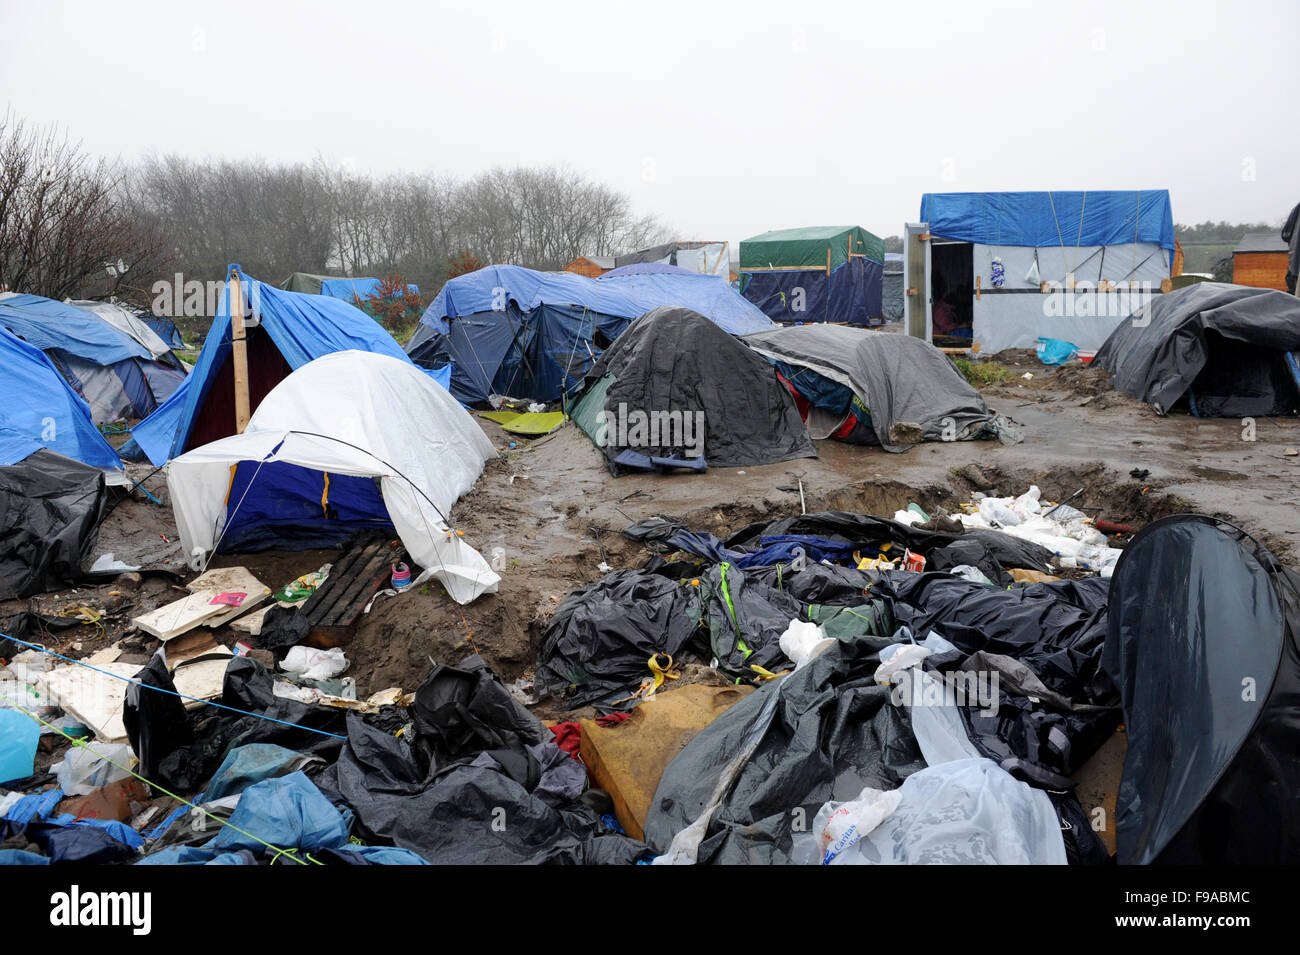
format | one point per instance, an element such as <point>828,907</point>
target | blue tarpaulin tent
<point>39,409</point>
<point>815,274</point>
<point>291,330</point>
<point>527,334</point>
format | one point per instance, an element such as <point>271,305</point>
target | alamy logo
<point>76,908</point>
<point>651,429</point>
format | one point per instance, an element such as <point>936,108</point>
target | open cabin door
<point>916,280</point>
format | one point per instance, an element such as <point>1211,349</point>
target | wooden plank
<point>318,604</point>
<point>225,580</point>
<point>361,579</point>
<point>238,352</point>
<point>180,616</point>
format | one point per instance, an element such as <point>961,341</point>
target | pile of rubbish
<point>825,688</point>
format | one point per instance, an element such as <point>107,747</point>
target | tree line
<point>74,224</point>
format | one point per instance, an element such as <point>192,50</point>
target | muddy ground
<point>556,512</point>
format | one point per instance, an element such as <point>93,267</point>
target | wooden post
<point>828,260</point>
<point>239,351</point>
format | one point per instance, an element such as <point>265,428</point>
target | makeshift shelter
<point>1003,269</point>
<point>1226,348</point>
<point>1260,261</point>
<point>513,331</point>
<point>702,258</point>
<point>110,358</point>
<point>815,274</point>
<point>349,441</point>
<point>347,288</point>
<point>40,410</point>
<point>281,332</point>
<point>1203,623</point>
<point>166,330</point>
<point>675,388</point>
<point>52,506</point>
<point>861,386</point>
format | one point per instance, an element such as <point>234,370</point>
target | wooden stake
<point>239,352</point>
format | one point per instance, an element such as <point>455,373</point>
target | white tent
<point>360,414</point>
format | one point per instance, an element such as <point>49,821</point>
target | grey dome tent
<point>863,386</point>
<point>673,361</point>
<point>1202,643</point>
<point>1227,348</point>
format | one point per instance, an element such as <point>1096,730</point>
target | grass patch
<point>983,373</point>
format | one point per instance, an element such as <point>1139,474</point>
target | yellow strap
<point>661,672</point>
<point>766,674</point>
<point>325,495</point>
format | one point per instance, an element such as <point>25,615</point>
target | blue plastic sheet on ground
<point>19,735</point>
<point>772,550</point>
<point>1053,351</point>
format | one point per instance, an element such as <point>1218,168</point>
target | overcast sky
<point>721,120</point>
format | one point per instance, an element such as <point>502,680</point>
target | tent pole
<point>239,351</point>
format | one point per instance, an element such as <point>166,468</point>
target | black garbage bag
<point>767,764</point>
<point>154,716</point>
<point>264,718</point>
<point>601,638</point>
<point>465,710</point>
<point>282,629</point>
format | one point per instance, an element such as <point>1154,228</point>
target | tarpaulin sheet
<point>45,323</point>
<point>1202,642</point>
<point>50,509</point>
<point>902,380</point>
<point>1051,218</point>
<point>497,287</point>
<point>852,292</point>
<point>1225,344</point>
<point>808,246</point>
<point>673,359</point>
<point>39,409</point>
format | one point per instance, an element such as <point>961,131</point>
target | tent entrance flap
<point>267,367</point>
<point>284,506</point>
<point>952,290</point>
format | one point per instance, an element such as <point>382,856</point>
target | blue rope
<point>272,719</point>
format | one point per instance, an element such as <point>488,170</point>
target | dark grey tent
<point>897,380</point>
<point>1201,641</point>
<point>675,362</point>
<point>1227,348</point>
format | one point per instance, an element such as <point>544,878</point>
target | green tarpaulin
<point>788,248</point>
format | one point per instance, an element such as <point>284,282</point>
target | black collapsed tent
<point>50,509</point>
<point>1227,348</point>
<point>674,374</point>
<point>869,387</point>
<point>1201,641</point>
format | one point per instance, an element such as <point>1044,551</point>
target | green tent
<point>808,247</point>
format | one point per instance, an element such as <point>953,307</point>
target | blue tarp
<point>628,296</point>
<point>852,293</point>
<point>303,327</point>
<point>646,268</point>
<point>1052,218</point>
<point>47,324</point>
<point>781,549</point>
<point>527,334</point>
<point>165,329</point>
<point>38,409</point>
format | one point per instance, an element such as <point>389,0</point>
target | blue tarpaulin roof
<point>346,288</point>
<point>38,409</point>
<point>303,327</point>
<point>1052,218</point>
<point>627,296</point>
<point>46,323</point>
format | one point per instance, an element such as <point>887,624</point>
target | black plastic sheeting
<point>184,749</point>
<point>50,509</point>
<point>600,639</point>
<point>673,359</point>
<point>900,379</point>
<point>481,782</point>
<point>1202,643</point>
<point>1227,344</point>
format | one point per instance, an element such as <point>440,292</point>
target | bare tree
<point>64,227</point>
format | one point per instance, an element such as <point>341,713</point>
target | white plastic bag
<point>308,663</point>
<point>81,772</point>
<point>803,641</point>
<point>838,826</point>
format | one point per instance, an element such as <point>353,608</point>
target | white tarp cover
<point>361,414</point>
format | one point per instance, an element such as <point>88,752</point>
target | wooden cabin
<point>1260,261</point>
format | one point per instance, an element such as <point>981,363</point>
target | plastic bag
<point>968,812</point>
<point>802,641</point>
<point>82,772</point>
<point>19,736</point>
<point>308,663</point>
<point>839,826</point>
